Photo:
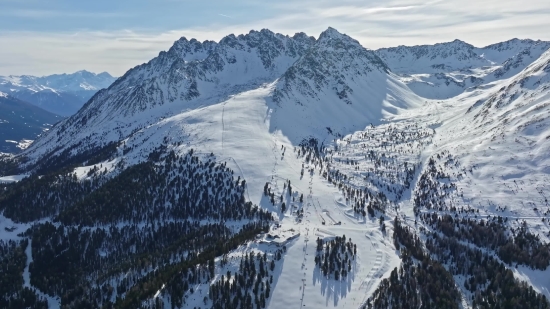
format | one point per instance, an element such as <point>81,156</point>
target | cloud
<point>47,53</point>
<point>390,9</point>
<point>43,14</point>
<point>374,24</point>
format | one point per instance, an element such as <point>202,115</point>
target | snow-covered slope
<point>189,75</point>
<point>62,94</point>
<point>326,87</point>
<point>355,134</point>
<point>441,57</point>
<point>489,161</point>
<point>337,87</point>
<point>446,70</point>
<point>504,135</point>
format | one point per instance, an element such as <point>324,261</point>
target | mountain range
<point>445,70</point>
<point>269,171</point>
<point>61,94</point>
<point>21,123</point>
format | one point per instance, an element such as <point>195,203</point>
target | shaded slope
<point>20,120</point>
<point>188,76</point>
<point>445,70</point>
<point>337,87</point>
<point>61,94</point>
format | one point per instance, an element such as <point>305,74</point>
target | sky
<point>42,37</point>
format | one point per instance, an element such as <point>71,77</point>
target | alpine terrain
<point>275,171</point>
<point>21,123</point>
<point>61,94</point>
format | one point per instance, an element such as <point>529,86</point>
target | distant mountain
<point>444,70</point>
<point>21,123</point>
<point>440,57</point>
<point>62,94</point>
<point>195,179</point>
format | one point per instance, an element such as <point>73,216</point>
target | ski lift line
<point>223,125</point>
<point>326,232</point>
<point>327,213</point>
<point>316,211</point>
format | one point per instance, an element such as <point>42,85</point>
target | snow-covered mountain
<point>325,81</point>
<point>335,88</point>
<point>418,168</point>
<point>444,70</point>
<point>192,71</point>
<point>21,123</point>
<point>61,94</point>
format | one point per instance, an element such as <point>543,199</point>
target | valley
<point>178,185</point>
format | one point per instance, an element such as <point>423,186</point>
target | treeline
<point>40,196</point>
<point>171,188</point>
<point>420,281</point>
<point>489,283</point>
<point>475,250</point>
<point>416,285</point>
<point>431,189</point>
<point>361,199</point>
<point>9,165</point>
<point>12,264</point>
<point>427,276</point>
<point>383,156</point>
<point>85,152</point>
<point>63,255</point>
<point>178,188</point>
<point>376,158</point>
<point>91,278</point>
<point>513,246</point>
<point>118,236</point>
<point>178,277</point>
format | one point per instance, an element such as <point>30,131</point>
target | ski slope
<point>239,131</point>
<point>379,129</point>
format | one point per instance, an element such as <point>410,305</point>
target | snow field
<point>240,130</point>
<point>491,140</point>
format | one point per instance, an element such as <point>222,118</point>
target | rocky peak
<point>511,44</point>
<point>301,37</point>
<point>332,62</point>
<point>191,69</point>
<point>190,50</point>
<point>331,37</point>
<point>443,50</point>
<point>331,33</point>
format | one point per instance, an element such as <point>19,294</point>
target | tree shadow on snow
<point>265,203</point>
<point>333,289</point>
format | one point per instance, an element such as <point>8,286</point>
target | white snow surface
<point>252,118</point>
<point>445,70</point>
<point>12,178</point>
<point>81,80</point>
